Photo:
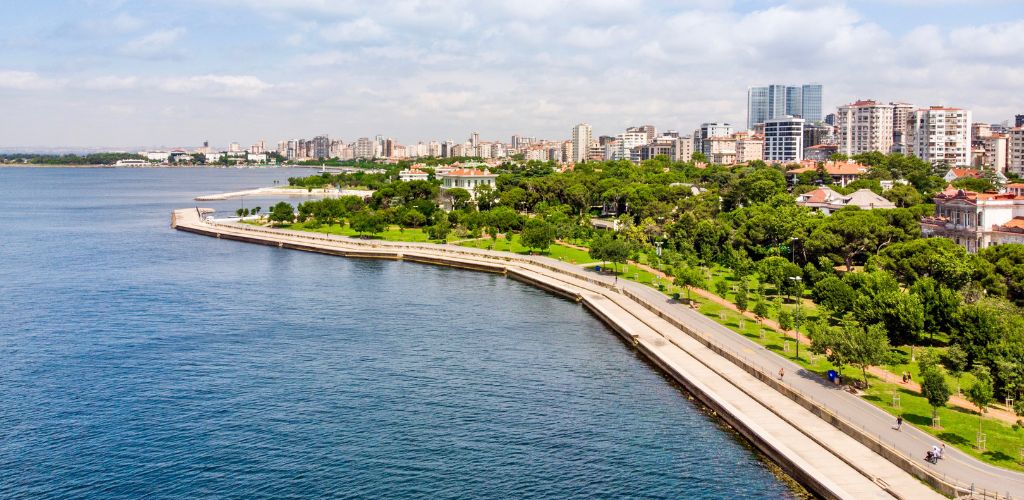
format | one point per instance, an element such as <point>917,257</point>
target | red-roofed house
<point>959,173</point>
<point>467,178</point>
<point>842,172</point>
<point>413,173</point>
<point>976,220</point>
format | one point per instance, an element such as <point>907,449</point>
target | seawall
<point>821,455</point>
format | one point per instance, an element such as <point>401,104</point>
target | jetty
<point>823,437</point>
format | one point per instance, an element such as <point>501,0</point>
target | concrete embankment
<point>819,455</point>
<point>289,192</point>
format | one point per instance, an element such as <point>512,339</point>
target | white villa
<point>413,173</point>
<point>976,220</point>
<point>468,179</point>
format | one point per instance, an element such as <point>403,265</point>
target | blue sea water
<point>138,361</point>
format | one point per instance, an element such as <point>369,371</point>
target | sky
<point>127,73</point>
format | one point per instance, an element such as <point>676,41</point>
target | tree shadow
<point>998,456</point>
<point>954,439</point>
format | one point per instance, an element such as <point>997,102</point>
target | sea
<point>137,361</point>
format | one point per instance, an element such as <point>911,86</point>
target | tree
<point>607,248</point>
<point>239,212</point>
<point>828,340</point>
<point>459,197</point>
<point>882,302</point>
<point>686,276</point>
<point>368,222</point>
<point>537,233</point>
<point>785,319</point>
<point>934,389</point>
<point>779,271</point>
<point>853,343</point>
<point>741,298</point>
<point>761,309</point>
<point>955,361</point>
<point>981,393</point>
<point>939,258</point>
<point>413,218</point>
<point>441,227</point>
<point>940,304</point>
<point>835,295</point>
<point>282,212</point>
<point>851,233</point>
<point>721,288</point>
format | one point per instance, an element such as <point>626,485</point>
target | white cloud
<point>236,86</point>
<point>358,30</point>
<point>153,44</point>
<point>111,83</point>
<point>27,80</point>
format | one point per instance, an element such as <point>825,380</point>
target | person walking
<point>782,373</point>
<point>899,423</point>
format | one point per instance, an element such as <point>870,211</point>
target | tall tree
<point>934,389</point>
<point>981,393</point>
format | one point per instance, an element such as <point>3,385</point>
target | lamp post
<point>799,282</point>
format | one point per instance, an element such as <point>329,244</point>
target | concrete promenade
<point>829,440</point>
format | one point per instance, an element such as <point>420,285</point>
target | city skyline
<point>121,74</point>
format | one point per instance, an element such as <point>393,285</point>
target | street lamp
<point>799,282</point>
<point>658,244</point>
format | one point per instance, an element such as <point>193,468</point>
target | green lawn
<point>555,251</point>
<point>959,426</point>
<point>393,233</point>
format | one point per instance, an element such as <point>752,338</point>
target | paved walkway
<point>659,336</point>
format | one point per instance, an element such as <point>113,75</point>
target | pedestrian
<point>904,377</point>
<point>782,372</point>
<point>899,422</point>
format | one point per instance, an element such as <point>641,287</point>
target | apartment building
<point>784,140</point>
<point>940,135</point>
<point>1015,156</point>
<point>865,126</point>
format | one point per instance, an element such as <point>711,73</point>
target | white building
<point>582,134</point>
<point>706,131</point>
<point>900,116</point>
<point>865,126</point>
<point>784,140</point>
<point>624,144</point>
<point>976,220</point>
<point>940,135</point>
<point>826,200</point>
<point>749,147</point>
<point>413,173</point>
<point>467,178</point>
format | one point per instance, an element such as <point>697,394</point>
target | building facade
<point>864,126</point>
<point>940,135</point>
<point>976,220</point>
<point>1015,155</point>
<point>778,101</point>
<point>582,135</point>
<point>784,140</point>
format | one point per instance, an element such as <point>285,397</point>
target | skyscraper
<point>582,134</point>
<point>778,101</point>
<point>1018,121</point>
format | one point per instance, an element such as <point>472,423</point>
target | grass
<point>555,251</point>
<point>392,233</point>
<point>959,426</point>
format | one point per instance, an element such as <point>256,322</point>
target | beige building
<point>940,135</point>
<point>1015,156</point>
<point>749,147</point>
<point>900,114</point>
<point>582,135</point>
<point>865,126</point>
<point>721,150</point>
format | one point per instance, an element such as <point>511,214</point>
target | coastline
<point>282,191</point>
<point>747,397</point>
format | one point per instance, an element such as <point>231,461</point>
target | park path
<point>998,412</point>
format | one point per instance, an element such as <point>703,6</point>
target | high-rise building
<point>1018,121</point>
<point>900,114</point>
<point>940,135</point>
<point>784,140</point>
<point>706,131</point>
<point>817,133</point>
<point>1015,164</point>
<point>582,134</point>
<point>474,139</point>
<point>364,148</point>
<point>864,126</point>
<point>647,129</point>
<point>778,101</point>
<point>321,147</point>
<point>624,144</point>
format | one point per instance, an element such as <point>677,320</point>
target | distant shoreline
<point>35,165</point>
